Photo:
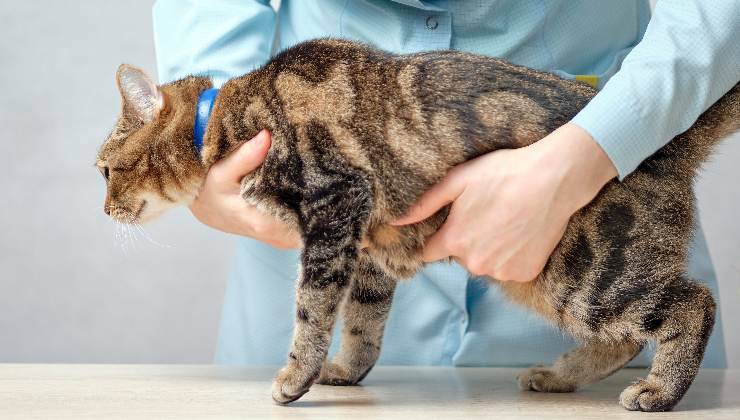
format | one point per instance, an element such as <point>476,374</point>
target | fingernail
<point>259,138</point>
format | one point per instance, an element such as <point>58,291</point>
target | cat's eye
<point>105,172</point>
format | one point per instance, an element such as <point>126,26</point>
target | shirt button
<point>432,23</point>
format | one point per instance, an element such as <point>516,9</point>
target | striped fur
<point>360,134</point>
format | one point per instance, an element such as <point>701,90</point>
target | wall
<point>70,289</point>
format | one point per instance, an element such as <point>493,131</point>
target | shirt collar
<point>423,5</point>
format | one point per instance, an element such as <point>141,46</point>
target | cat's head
<point>149,161</point>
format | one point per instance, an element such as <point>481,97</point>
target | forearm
<point>578,165</point>
<point>687,60</point>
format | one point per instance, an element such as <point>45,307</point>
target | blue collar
<point>202,112</point>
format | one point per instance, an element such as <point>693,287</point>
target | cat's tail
<point>686,153</point>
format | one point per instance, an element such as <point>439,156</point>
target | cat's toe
<point>647,395</point>
<point>542,379</point>
<point>337,375</point>
<point>334,374</point>
<point>289,385</point>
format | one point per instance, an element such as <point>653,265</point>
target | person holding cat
<point>510,207</point>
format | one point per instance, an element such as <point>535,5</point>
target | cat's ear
<point>139,92</point>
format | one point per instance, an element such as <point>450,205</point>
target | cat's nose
<point>106,209</point>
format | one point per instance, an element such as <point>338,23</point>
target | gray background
<point>69,291</point>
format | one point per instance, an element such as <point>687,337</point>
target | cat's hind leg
<point>592,361</point>
<point>681,322</point>
<point>364,314</point>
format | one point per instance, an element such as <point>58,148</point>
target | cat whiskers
<point>148,237</point>
<point>118,228</point>
<point>124,233</point>
<point>128,229</point>
<point>123,236</point>
<point>120,237</point>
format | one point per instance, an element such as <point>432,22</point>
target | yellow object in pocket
<point>591,79</point>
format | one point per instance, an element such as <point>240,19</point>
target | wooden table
<point>186,392</point>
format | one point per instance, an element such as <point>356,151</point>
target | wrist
<point>579,163</point>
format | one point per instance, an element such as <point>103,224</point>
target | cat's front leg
<point>320,291</point>
<point>333,223</point>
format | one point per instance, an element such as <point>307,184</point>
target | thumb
<point>440,195</point>
<point>248,157</point>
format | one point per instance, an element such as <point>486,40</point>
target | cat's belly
<point>398,249</point>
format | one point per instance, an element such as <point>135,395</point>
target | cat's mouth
<point>139,211</point>
<point>125,215</point>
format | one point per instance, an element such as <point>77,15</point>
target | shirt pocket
<point>598,79</point>
<point>588,40</point>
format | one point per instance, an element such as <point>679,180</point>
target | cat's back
<point>406,117</point>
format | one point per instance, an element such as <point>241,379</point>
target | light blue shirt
<point>656,76</point>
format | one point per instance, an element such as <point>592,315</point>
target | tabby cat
<point>359,134</point>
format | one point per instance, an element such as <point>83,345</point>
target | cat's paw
<point>337,375</point>
<point>290,384</point>
<point>647,395</point>
<point>542,379</point>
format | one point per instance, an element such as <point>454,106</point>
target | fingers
<point>440,195</point>
<point>290,242</point>
<point>220,206</point>
<point>267,228</point>
<point>437,246</point>
<point>243,160</point>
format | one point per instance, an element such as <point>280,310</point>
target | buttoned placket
<point>431,29</point>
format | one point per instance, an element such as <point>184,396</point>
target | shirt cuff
<point>619,126</point>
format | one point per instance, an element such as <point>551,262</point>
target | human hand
<point>510,207</point>
<point>220,205</point>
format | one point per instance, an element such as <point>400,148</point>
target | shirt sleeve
<point>218,38</point>
<point>688,58</point>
